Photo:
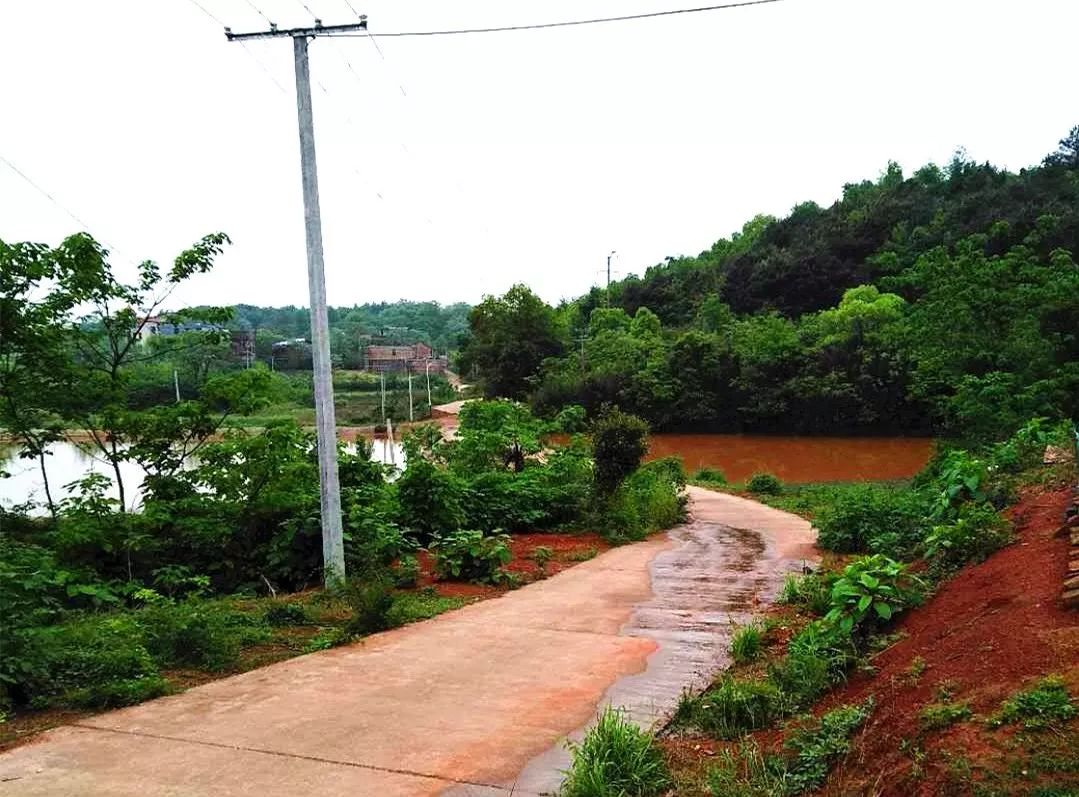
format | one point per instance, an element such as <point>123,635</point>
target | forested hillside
<point>946,301</point>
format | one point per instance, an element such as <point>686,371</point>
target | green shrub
<point>571,419</point>
<point>764,484</point>
<point>709,475</point>
<point>371,600</point>
<point>196,634</point>
<point>817,658</point>
<point>960,477</point>
<point>112,694</point>
<point>1047,704</point>
<point>470,555</point>
<point>811,750</point>
<point>871,590</point>
<point>747,772</point>
<point>937,716</point>
<point>619,443</point>
<point>871,518</point>
<point>542,556</point>
<point>406,572</point>
<point>431,499</point>
<point>812,592</point>
<point>733,706</point>
<point>746,643</point>
<point>978,532</point>
<point>616,759</point>
<point>651,499</point>
<point>279,614</point>
<point>96,661</point>
<point>817,746</point>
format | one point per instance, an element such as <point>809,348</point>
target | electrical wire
<point>47,195</point>
<point>561,24</point>
<point>258,11</point>
<point>352,8</point>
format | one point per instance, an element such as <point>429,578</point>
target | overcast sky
<point>452,167</point>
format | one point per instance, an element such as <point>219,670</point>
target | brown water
<point>797,459</point>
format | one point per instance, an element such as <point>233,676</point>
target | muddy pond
<point>792,459</point>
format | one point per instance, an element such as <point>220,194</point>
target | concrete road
<point>474,702</point>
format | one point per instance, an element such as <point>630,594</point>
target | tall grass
<point>747,642</point>
<point>616,759</point>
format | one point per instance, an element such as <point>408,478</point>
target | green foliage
<point>1045,705</point>
<point>651,499</point>
<point>542,556</point>
<point>746,643</point>
<point>732,707</point>
<point>371,600</point>
<point>406,572</point>
<point>413,607</point>
<point>94,662</point>
<point>431,498</point>
<point>286,614</point>
<point>470,555</point>
<point>196,634</point>
<point>510,337</point>
<point>812,592</point>
<point>764,484</point>
<point>812,748</point>
<point>870,591</point>
<point>709,475</point>
<point>937,716</point>
<point>619,443</point>
<point>819,744</point>
<point>493,435</point>
<point>972,537</point>
<point>571,419</point>
<point>744,771</point>
<point>616,759</point>
<point>872,518</point>
<point>817,658</point>
<point>960,477</point>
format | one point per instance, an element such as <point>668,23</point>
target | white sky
<point>515,156</point>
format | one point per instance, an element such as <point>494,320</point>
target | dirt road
<point>475,702</point>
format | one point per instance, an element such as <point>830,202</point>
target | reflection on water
<point>797,459</point>
<point>69,462</point>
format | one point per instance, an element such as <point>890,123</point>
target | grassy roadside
<point>143,653</point>
<point>952,674</point>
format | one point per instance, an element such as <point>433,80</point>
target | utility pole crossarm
<point>318,30</point>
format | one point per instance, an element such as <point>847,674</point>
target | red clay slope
<point>985,633</point>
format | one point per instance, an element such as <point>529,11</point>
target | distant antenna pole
<point>333,549</point>
<point>612,254</point>
<point>382,377</point>
<point>176,382</point>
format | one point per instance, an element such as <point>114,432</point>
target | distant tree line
<point>351,328</point>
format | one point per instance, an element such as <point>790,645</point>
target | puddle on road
<point>711,581</point>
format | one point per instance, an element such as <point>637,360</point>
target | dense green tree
<point>511,336</point>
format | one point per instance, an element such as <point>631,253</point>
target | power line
<point>47,195</point>
<point>564,23</point>
<point>258,11</point>
<point>352,8</point>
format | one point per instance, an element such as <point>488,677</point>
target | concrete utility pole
<point>333,549</point>
<point>411,415</point>
<point>428,370</point>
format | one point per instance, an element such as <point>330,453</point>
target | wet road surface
<point>474,702</point>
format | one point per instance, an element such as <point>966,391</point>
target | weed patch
<point>616,759</point>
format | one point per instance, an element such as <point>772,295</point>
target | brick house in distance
<point>414,358</point>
